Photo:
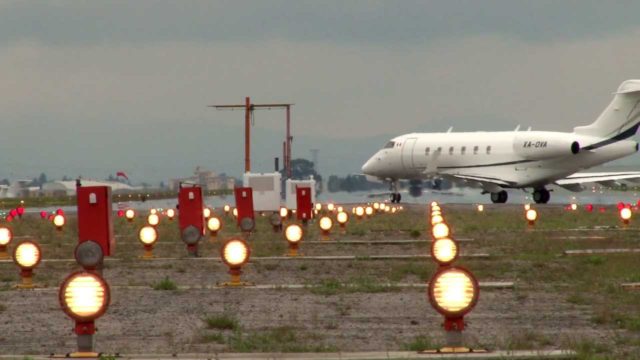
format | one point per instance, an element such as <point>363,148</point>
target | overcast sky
<point>90,88</point>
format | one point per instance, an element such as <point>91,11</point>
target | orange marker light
<point>59,221</point>
<point>235,253</point>
<point>294,234</point>
<point>148,236</point>
<point>130,214</point>
<point>27,255</point>
<point>5,239</point>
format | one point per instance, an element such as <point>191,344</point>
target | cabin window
<point>475,150</point>
<point>427,151</point>
<point>451,150</point>
<point>463,150</point>
<point>489,149</point>
<point>389,145</point>
<point>439,150</point>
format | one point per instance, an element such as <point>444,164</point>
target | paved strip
<point>372,355</point>
<point>489,285</point>
<point>271,258</point>
<point>599,251</point>
<point>579,237</point>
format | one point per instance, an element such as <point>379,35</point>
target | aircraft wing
<point>486,183</point>
<point>576,180</point>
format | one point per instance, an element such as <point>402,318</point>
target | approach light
<point>480,208</point>
<point>284,212</point>
<point>368,211</point>
<point>574,207</point>
<point>235,253</point>
<point>89,255</point>
<point>342,218</point>
<point>247,224</point>
<point>331,207</point>
<point>214,224</point>
<point>434,203</point>
<point>171,213</point>
<point>527,207</point>
<point>436,219</point>
<point>318,207</point>
<point>436,212</point>
<point>130,214</point>
<point>13,213</point>
<point>153,211</point>
<point>20,210</point>
<point>235,212</point>
<point>59,212</point>
<point>387,208</point>
<point>394,209</point>
<point>5,238</point>
<point>227,209</point>
<point>84,297</point>
<point>340,209</point>
<point>531,215</point>
<point>444,251</point>
<point>27,255</point>
<point>376,206</point>
<point>589,207</point>
<point>325,224</point>
<point>625,215</point>
<point>359,212</point>
<point>440,230</point>
<point>453,292</point>
<point>153,219</point>
<point>276,222</point>
<point>148,236</point>
<point>120,213</point>
<point>43,214</point>
<point>59,221</point>
<point>206,212</point>
<point>293,233</point>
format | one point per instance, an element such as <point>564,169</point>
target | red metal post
<point>288,141</point>
<point>247,135</point>
<point>284,158</point>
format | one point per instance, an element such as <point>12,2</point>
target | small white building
<point>68,188</point>
<point>266,189</point>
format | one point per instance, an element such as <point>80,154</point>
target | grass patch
<point>280,339</point>
<point>419,343</point>
<point>213,338</point>
<point>165,284</point>
<point>415,233</point>
<point>3,307</point>
<point>222,322</point>
<point>595,260</point>
<point>354,285</point>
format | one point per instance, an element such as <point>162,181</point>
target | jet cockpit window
<point>463,150</point>
<point>389,145</point>
<point>489,149</point>
<point>475,150</point>
<point>451,150</point>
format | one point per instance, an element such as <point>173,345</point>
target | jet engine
<point>539,145</point>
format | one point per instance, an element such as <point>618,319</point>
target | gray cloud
<point>390,23</point>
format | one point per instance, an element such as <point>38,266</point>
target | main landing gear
<point>395,195</point>
<point>541,196</point>
<point>499,197</point>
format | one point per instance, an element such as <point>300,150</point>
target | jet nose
<point>367,168</point>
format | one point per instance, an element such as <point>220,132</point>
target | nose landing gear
<point>395,195</point>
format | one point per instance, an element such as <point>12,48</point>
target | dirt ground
<point>557,302</point>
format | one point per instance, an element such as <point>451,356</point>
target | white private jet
<point>496,161</point>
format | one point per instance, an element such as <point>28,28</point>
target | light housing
<point>331,207</point>
<point>444,251</point>
<point>531,215</point>
<point>153,219</point>
<point>235,212</point>
<point>359,211</point>
<point>453,291</point>
<point>318,207</point>
<point>368,211</point>
<point>6,235</point>
<point>436,219</point>
<point>480,208</point>
<point>84,296</point>
<point>153,211</point>
<point>325,223</point>
<point>284,212</point>
<point>130,214</point>
<point>148,235</point>
<point>227,208</point>
<point>214,224</point>
<point>376,206</point>
<point>59,221</point>
<point>27,254</point>
<point>89,254</point>
<point>342,218</point>
<point>294,234</point>
<point>440,230</point>
<point>171,214</point>
<point>206,212</point>
<point>235,253</point>
<point>625,215</point>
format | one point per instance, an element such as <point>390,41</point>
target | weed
<point>578,299</point>
<point>415,233</point>
<point>303,267</point>
<point>165,284</point>
<point>222,322</point>
<point>327,287</point>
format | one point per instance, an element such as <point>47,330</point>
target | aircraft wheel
<point>398,198</point>
<point>541,196</point>
<point>503,196</point>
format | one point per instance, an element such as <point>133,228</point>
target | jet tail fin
<point>621,119</point>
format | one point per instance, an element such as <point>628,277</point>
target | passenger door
<point>407,153</point>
